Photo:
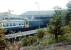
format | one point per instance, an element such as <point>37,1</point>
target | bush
<point>28,40</point>
<point>51,41</point>
<point>62,38</point>
<point>68,37</point>
<point>40,34</point>
<point>24,41</point>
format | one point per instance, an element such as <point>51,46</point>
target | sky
<point>21,6</point>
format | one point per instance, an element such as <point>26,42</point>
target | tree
<point>67,33</point>
<point>68,15</point>
<point>2,34</point>
<point>67,29</point>
<point>56,24</point>
<point>2,38</point>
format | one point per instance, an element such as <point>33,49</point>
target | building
<point>30,20</point>
<point>38,19</point>
<point>12,22</point>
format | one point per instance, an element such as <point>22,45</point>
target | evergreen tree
<point>56,24</point>
<point>68,15</point>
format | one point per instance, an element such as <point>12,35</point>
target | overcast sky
<point>21,6</point>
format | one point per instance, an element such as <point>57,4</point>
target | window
<point>19,23</point>
<point>10,24</point>
<point>14,24</point>
<point>6,25</point>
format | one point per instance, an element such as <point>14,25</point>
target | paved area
<point>67,47</point>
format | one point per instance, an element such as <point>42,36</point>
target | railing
<point>22,33</point>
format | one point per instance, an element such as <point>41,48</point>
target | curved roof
<point>39,13</point>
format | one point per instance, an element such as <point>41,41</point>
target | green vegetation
<point>68,15</point>
<point>2,38</point>
<point>33,40</point>
<point>29,40</point>
<point>2,34</point>
<point>56,24</point>
<point>59,30</point>
<point>40,34</point>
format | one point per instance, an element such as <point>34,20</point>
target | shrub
<point>28,40</point>
<point>51,41</point>
<point>40,34</point>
